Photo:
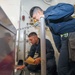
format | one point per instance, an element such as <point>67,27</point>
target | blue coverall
<point>58,27</point>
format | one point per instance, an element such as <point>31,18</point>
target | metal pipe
<point>19,32</point>
<point>24,44</point>
<point>43,46</point>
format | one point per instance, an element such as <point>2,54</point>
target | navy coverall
<point>50,59</point>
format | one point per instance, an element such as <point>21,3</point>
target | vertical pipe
<point>19,31</point>
<point>18,44</point>
<point>43,46</point>
<point>24,49</point>
<point>24,44</point>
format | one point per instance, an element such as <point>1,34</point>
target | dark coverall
<point>50,59</point>
<point>58,27</point>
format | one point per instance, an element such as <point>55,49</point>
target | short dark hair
<point>32,34</point>
<point>7,34</point>
<point>32,10</point>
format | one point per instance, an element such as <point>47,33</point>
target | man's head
<point>33,38</point>
<point>36,12</point>
<point>7,37</point>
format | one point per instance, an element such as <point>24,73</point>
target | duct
<point>5,22</point>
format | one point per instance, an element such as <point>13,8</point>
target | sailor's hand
<point>37,60</point>
<point>20,67</point>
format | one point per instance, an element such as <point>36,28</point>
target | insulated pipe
<point>43,46</point>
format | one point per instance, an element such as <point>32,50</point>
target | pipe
<point>24,44</point>
<point>43,46</point>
